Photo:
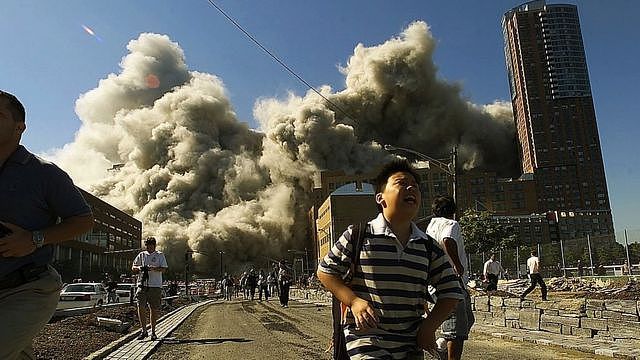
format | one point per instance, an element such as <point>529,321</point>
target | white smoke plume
<point>198,178</point>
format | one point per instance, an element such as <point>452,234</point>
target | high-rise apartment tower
<point>555,117</point>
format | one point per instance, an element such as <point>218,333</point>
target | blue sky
<point>48,60</point>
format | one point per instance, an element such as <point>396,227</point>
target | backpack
<point>338,309</point>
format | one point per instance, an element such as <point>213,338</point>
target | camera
<point>145,275</point>
<point>4,231</point>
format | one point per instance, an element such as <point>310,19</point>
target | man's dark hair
<point>395,166</point>
<point>15,106</point>
<point>150,240</point>
<point>443,206</point>
<point>390,168</point>
<point>534,252</point>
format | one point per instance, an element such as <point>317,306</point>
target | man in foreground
<point>34,194</point>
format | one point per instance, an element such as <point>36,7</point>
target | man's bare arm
<point>451,248</point>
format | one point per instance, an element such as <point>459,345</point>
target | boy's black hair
<point>15,106</point>
<point>390,168</point>
<point>443,206</point>
<point>534,252</point>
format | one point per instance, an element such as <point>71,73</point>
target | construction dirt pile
<point>78,336</point>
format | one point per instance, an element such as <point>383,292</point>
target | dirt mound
<point>76,337</point>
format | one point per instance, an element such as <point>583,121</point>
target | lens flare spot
<point>152,81</point>
<point>88,30</point>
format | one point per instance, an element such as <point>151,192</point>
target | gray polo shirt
<point>35,194</point>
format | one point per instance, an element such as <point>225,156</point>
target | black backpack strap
<point>429,254</point>
<point>357,239</point>
<point>429,259</point>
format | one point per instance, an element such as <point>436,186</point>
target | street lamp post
<point>187,257</point>
<point>450,168</point>
<point>221,252</point>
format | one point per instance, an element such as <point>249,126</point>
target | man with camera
<point>39,208</point>
<point>149,264</point>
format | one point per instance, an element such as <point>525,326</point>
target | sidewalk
<point>615,349</point>
<point>130,348</point>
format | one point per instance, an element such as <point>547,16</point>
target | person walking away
<point>252,282</point>
<point>448,233</point>
<point>580,268</point>
<point>149,265</point>
<point>243,285</point>
<point>39,207</point>
<point>263,286</point>
<point>387,294</point>
<point>272,280</point>
<point>284,283</point>
<point>225,284</point>
<point>492,271</point>
<point>533,263</point>
<point>112,296</point>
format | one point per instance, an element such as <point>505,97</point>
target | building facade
<point>109,248</point>
<point>351,203</point>
<point>554,113</point>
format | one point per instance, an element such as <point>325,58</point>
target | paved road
<point>264,331</point>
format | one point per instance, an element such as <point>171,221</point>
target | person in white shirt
<point>149,264</point>
<point>448,234</point>
<point>492,271</point>
<point>533,263</point>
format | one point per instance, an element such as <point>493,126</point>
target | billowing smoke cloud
<point>393,96</point>
<point>200,179</point>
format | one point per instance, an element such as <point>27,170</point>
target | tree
<point>483,233</point>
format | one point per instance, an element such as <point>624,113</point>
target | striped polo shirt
<point>394,279</point>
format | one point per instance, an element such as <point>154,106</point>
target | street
<point>264,330</point>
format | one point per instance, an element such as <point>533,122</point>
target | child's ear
<point>380,200</point>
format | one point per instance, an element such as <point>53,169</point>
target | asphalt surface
<point>264,330</point>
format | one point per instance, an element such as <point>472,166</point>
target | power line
<point>274,57</point>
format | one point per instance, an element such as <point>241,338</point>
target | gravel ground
<point>76,337</point>
<point>264,331</point>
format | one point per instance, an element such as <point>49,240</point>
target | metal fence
<point>573,257</point>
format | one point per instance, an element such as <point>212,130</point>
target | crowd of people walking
<point>263,283</point>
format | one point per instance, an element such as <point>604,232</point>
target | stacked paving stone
<point>599,319</point>
<point>318,295</point>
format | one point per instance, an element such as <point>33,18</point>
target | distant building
<point>351,203</point>
<point>113,230</point>
<point>554,114</point>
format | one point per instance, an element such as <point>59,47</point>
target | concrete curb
<point>593,351</point>
<point>105,351</point>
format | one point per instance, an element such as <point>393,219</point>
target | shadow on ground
<point>170,341</point>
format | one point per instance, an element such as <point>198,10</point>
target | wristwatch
<point>38,238</point>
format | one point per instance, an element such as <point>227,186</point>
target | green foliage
<point>483,234</point>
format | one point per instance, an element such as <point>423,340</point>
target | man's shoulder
<point>442,221</point>
<point>44,165</point>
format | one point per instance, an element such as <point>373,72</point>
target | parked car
<point>82,295</point>
<point>123,290</point>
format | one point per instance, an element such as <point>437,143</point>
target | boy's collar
<point>380,226</point>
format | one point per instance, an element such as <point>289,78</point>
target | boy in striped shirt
<point>398,261</point>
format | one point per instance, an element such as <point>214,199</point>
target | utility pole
<point>306,258</point>
<point>454,175</point>
<point>564,268</point>
<point>221,252</point>
<point>626,245</point>
<point>590,257</point>
<point>187,256</point>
